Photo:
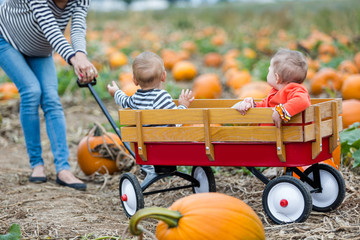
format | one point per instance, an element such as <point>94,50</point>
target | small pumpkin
<point>348,66</point>
<point>239,79</point>
<point>351,87</point>
<point>213,59</point>
<point>203,216</point>
<point>130,88</point>
<point>125,78</point>
<point>8,90</point>
<point>256,89</point>
<point>350,112</point>
<point>90,160</point>
<point>325,78</point>
<point>249,53</point>
<point>207,86</point>
<point>117,59</point>
<point>184,71</point>
<point>189,46</point>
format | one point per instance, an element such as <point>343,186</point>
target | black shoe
<point>37,179</point>
<point>165,169</point>
<point>77,186</point>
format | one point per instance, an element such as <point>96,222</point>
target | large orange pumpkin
<point>325,78</point>
<point>207,86</point>
<point>117,59</point>
<point>91,161</point>
<point>350,112</point>
<point>8,90</point>
<point>209,216</point>
<point>351,87</point>
<point>184,71</point>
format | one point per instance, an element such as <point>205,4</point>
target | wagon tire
<point>333,188</point>
<point>286,200</point>
<point>206,179</point>
<point>131,196</point>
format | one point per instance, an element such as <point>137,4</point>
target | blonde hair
<point>147,68</point>
<point>290,65</point>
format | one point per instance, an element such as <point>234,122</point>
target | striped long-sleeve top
<point>146,99</point>
<point>35,27</point>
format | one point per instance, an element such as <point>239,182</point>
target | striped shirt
<point>35,27</point>
<point>146,99</point>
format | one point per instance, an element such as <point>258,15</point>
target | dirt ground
<point>50,211</point>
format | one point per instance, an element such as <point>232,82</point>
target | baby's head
<point>291,66</point>
<point>148,70</point>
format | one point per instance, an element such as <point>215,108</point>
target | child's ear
<point>135,82</point>
<point>163,77</point>
<point>278,78</point>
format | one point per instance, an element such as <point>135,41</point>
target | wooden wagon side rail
<point>227,125</point>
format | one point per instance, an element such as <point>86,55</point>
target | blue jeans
<point>36,81</point>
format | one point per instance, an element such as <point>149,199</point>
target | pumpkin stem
<point>170,217</point>
<point>98,131</point>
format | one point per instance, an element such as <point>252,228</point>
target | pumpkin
<point>350,112</point>
<point>203,216</point>
<point>348,66</point>
<point>232,54</point>
<point>327,48</point>
<point>130,88</point>
<point>325,78</point>
<point>249,53</point>
<point>184,71</point>
<point>91,161</point>
<point>117,59</point>
<point>125,78</point>
<point>207,86</point>
<point>218,40</point>
<point>230,63</point>
<point>189,46</point>
<point>213,59</point>
<point>8,90</point>
<point>258,89</point>
<point>351,87</point>
<point>238,79</point>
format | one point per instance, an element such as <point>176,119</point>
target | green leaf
<point>14,233</point>
<point>356,156</point>
<point>352,137</point>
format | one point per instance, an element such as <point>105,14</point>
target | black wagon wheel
<point>332,185</point>
<point>286,199</point>
<point>131,196</point>
<point>206,179</point>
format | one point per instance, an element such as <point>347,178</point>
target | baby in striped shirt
<point>149,73</point>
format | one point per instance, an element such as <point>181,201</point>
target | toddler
<point>288,96</point>
<point>149,73</point>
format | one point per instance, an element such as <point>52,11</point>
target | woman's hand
<point>186,98</point>
<point>84,69</point>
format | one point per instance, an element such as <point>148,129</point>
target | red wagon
<point>213,134</point>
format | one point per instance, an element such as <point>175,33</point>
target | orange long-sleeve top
<point>294,97</point>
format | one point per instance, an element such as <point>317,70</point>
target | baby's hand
<point>186,98</point>
<point>112,88</point>
<point>244,105</point>
<point>277,119</point>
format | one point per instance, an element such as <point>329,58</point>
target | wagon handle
<point>106,112</point>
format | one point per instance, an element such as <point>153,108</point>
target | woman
<point>30,30</point>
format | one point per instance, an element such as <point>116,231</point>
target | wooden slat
<point>326,129</point>
<point>140,137</point>
<point>325,107</point>
<point>317,145</point>
<point>195,116</point>
<point>334,139</point>
<point>212,103</point>
<point>280,147</point>
<point>209,147</point>
<point>218,134</point>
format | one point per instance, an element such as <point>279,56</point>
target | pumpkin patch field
<point>219,51</point>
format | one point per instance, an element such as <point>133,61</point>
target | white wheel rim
<point>330,190</point>
<point>292,196</point>
<point>200,175</point>
<point>130,204</point>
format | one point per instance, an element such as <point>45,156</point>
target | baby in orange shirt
<point>288,96</point>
